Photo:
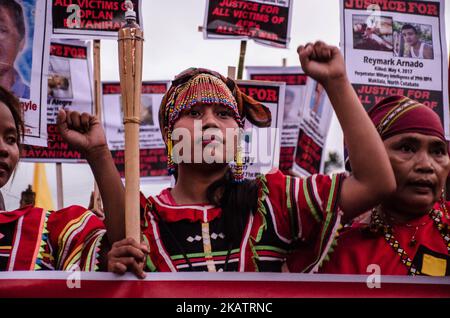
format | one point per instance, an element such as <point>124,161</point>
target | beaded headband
<point>399,114</point>
<point>199,85</point>
<point>203,88</point>
<point>404,105</point>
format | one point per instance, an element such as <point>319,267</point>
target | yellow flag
<point>40,186</point>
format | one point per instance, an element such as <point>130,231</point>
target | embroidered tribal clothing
<point>420,247</point>
<point>35,239</point>
<point>291,212</point>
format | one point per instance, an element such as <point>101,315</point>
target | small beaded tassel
<point>442,203</point>
<point>170,163</point>
<point>238,168</point>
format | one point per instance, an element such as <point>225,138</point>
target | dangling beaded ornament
<point>442,202</point>
<point>170,163</point>
<point>238,166</point>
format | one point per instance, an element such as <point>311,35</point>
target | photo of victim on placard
<point>397,50</point>
<point>69,86</point>
<point>113,115</point>
<point>372,34</point>
<point>146,113</point>
<point>59,79</point>
<point>70,81</point>
<point>413,40</point>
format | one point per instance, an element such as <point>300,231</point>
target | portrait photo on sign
<point>59,79</point>
<point>413,40</point>
<point>317,100</point>
<point>16,39</point>
<point>147,111</point>
<point>372,33</point>
<point>291,105</point>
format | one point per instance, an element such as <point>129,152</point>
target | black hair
<point>237,201</point>
<point>13,105</point>
<point>17,14</point>
<point>409,27</point>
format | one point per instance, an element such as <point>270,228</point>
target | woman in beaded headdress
<point>408,233</point>
<point>213,219</point>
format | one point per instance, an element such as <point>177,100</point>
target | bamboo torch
<point>130,41</point>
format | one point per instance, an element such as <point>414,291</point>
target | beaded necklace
<point>378,224</point>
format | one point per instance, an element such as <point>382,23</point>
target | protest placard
<point>267,22</point>
<point>24,42</point>
<point>295,81</point>
<point>153,156</point>
<point>90,19</point>
<point>261,146</point>
<point>314,125</point>
<point>397,48</point>
<point>70,85</point>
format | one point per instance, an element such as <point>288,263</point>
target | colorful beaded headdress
<point>197,85</point>
<point>203,88</point>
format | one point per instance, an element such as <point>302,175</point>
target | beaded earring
<point>238,167</point>
<point>170,163</point>
<point>442,203</point>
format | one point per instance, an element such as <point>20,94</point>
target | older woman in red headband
<point>408,233</point>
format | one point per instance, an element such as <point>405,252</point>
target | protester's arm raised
<point>372,177</point>
<point>84,132</point>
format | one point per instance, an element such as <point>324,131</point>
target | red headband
<point>399,114</point>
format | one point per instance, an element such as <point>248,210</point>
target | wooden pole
<point>130,41</point>
<point>59,186</point>
<point>97,109</point>
<point>232,72</point>
<point>241,59</point>
<point>97,81</point>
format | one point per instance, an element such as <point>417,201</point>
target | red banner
<point>216,285</point>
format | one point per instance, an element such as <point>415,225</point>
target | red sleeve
<point>301,205</point>
<point>305,210</point>
<point>75,236</point>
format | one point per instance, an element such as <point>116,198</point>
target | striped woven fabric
<point>291,213</point>
<point>35,239</point>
